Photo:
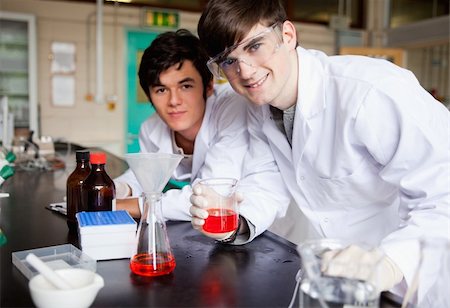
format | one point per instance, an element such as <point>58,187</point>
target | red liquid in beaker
<point>142,264</point>
<point>220,221</point>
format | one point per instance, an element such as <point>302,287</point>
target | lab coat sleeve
<point>407,132</point>
<point>227,140</point>
<point>265,194</point>
<point>175,204</point>
<point>129,178</point>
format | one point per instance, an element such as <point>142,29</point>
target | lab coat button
<point>325,220</point>
<point>302,178</point>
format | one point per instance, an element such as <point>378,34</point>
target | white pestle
<point>53,277</point>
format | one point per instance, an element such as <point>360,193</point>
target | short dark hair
<point>226,22</point>
<point>169,49</point>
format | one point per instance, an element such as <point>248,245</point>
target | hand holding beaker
<point>215,210</point>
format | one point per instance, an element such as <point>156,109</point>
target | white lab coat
<point>266,197</point>
<point>219,148</point>
<point>370,156</point>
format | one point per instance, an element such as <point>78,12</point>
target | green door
<point>138,107</point>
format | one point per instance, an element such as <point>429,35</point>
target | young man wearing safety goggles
<point>362,148</point>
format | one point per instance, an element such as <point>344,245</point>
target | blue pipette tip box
<point>107,234</point>
<point>105,218</point>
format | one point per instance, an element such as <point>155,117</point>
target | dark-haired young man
<point>203,122</point>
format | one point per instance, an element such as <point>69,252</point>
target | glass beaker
<point>153,255</point>
<point>222,207</point>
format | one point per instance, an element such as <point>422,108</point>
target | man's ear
<point>210,88</point>
<point>289,35</point>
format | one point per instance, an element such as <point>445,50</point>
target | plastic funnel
<point>153,170</point>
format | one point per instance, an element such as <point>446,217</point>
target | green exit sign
<point>160,18</point>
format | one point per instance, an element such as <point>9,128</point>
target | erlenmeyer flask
<point>153,255</point>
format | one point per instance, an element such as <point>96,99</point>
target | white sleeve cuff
<point>123,190</point>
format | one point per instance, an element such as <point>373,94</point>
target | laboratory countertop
<point>208,274</point>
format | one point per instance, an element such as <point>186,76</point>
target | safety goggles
<point>253,51</point>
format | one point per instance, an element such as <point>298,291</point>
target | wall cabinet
<point>18,79</point>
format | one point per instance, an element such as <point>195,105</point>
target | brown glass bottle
<point>98,190</point>
<point>73,187</point>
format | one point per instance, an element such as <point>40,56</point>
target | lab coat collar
<point>311,94</point>
<point>201,141</point>
<point>310,100</point>
<point>161,136</point>
<point>277,138</point>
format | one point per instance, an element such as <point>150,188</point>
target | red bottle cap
<point>98,158</point>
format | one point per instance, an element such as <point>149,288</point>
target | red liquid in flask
<point>142,264</point>
<point>220,221</point>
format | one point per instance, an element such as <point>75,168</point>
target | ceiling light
<point>123,1</point>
